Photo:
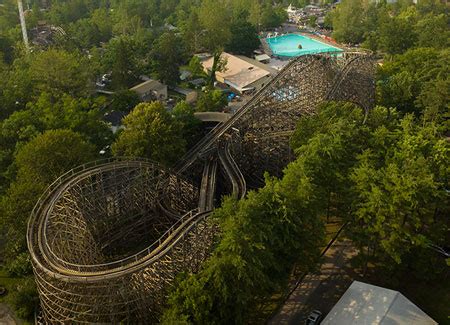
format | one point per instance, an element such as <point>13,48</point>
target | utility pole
<point>23,25</point>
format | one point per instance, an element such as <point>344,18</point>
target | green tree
<point>214,16</point>
<point>272,16</point>
<point>195,66</point>
<point>167,55</point>
<point>432,31</point>
<point>38,164</point>
<point>244,38</point>
<point>348,21</point>
<point>396,34</point>
<point>121,59</point>
<point>255,15</point>
<point>79,115</point>
<point>400,189</point>
<point>211,101</point>
<point>25,299</point>
<point>191,126</point>
<point>19,128</point>
<point>57,71</point>
<point>6,49</point>
<point>262,237</point>
<point>124,100</point>
<point>409,76</point>
<point>151,132</point>
<point>192,31</point>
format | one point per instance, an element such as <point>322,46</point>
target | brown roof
<point>147,86</point>
<point>239,73</point>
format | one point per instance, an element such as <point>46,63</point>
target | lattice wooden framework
<point>108,238</point>
<point>260,131</point>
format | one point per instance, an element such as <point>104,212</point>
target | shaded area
<point>320,290</point>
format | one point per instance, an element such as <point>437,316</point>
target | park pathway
<point>6,316</point>
<point>320,290</point>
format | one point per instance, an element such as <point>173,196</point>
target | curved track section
<point>232,171</point>
<point>103,250</point>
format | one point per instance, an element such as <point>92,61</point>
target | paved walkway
<point>6,316</point>
<point>320,290</point>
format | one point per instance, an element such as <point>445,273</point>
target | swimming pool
<point>287,45</point>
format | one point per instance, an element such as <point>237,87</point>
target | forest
<point>388,177</point>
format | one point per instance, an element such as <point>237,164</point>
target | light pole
<point>23,25</point>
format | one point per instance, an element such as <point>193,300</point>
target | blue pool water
<point>287,45</point>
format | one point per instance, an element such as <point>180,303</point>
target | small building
<point>263,58</point>
<point>240,75</point>
<point>151,90</point>
<point>364,303</point>
<point>190,95</point>
<point>198,83</point>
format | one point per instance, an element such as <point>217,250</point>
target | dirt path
<point>320,290</point>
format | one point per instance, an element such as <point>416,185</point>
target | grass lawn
<point>9,283</point>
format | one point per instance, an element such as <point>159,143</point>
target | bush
<point>25,299</point>
<point>20,266</point>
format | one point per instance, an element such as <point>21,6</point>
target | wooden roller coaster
<point>108,238</point>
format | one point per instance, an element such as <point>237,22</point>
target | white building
<point>366,304</point>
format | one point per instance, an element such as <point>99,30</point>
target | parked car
<point>314,318</point>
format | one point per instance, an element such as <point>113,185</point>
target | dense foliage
<point>387,177</point>
<point>38,164</point>
<point>392,28</point>
<point>151,132</point>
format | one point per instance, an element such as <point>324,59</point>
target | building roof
<point>239,73</point>
<point>262,57</point>
<point>364,303</point>
<point>260,65</point>
<point>147,86</point>
<point>183,91</point>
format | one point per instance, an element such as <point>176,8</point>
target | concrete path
<point>7,316</point>
<point>320,290</point>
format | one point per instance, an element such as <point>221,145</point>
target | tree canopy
<point>38,163</point>
<point>151,132</point>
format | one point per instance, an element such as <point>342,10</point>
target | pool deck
<point>323,40</point>
<point>266,46</point>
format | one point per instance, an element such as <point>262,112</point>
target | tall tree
<point>214,16</point>
<point>348,21</point>
<point>121,59</point>
<point>401,188</point>
<point>151,132</point>
<point>167,55</point>
<point>57,72</point>
<point>38,163</point>
<point>191,126</point>
<point>244,39</point>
